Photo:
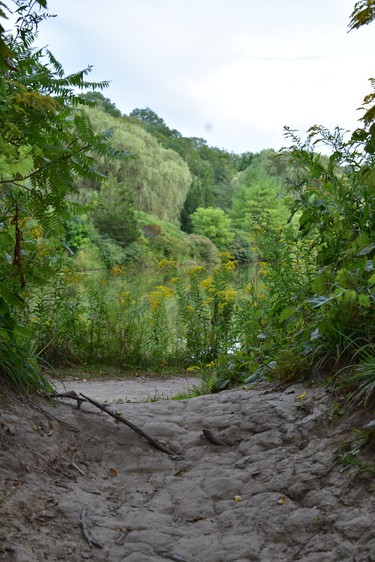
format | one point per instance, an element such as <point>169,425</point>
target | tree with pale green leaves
<point>214,224</point>
<point>258,197</point>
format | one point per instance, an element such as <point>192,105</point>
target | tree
<point>27,18</point>
<point>46,143</point>
<point>158,178</point>
<point>258,196</point>
<point>211,168</point>
<point>114,214</point>
<point>153,123</point>
<point>214,224</point>
<point>98,100</point>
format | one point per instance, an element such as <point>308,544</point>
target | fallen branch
<point>71,394</point>
<point>121,419</point>
<point>85,533</point>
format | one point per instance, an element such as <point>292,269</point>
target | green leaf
<point>287,313</point>
<point>351,295</point>
<point>7,323</point>
<point>4,308</point>
<point>364,300</point>
<point>12,297</point>
<point>22,330</point>
<point>24,167</point>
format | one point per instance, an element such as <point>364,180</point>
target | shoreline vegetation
<point>86,188</point>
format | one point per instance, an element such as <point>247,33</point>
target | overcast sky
<point>231,71</point>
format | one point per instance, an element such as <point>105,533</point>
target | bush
<point>202,249</point>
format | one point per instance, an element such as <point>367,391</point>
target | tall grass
<point>19,369</point>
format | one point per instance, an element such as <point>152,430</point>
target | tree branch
<point>119,418</point>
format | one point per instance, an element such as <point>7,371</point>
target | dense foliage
<point>46,142</point>
<point>84,187</point>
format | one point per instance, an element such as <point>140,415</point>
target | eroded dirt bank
<point>272,493</point>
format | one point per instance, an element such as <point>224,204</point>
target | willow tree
<point>46,142</point>
<point>158,178</point>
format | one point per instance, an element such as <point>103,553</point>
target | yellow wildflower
<point>226,296</point>
<point>117,269</point>
<point>165,292</point>
<point>207,283</point>
<point>225,256</point>
<point>166,264</point>
<point>195,270</point>
<point>230,265</point>
<point>155,298</point>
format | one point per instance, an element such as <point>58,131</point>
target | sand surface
<point>272,491</point>
<point>139,389</point>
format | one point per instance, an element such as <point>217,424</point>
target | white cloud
<point>232,71</point>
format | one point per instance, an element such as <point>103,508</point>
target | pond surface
<point>140,280</point>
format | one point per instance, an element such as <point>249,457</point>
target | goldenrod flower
<point>230,265</point>
<point>207,283</point>
<point>195,270</point>
<point>117,269</point>
<point>166,264</point>
<point>155,298</point>
<point>165,292</point>
<point>226,296</point>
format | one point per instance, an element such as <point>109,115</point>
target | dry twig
<point>74,465</point>
<point>121,419</point>
<point>70,394</point>
<point>85,533</point>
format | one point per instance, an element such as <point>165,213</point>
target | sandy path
<point>274,492</point>
<point>140,389</point>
